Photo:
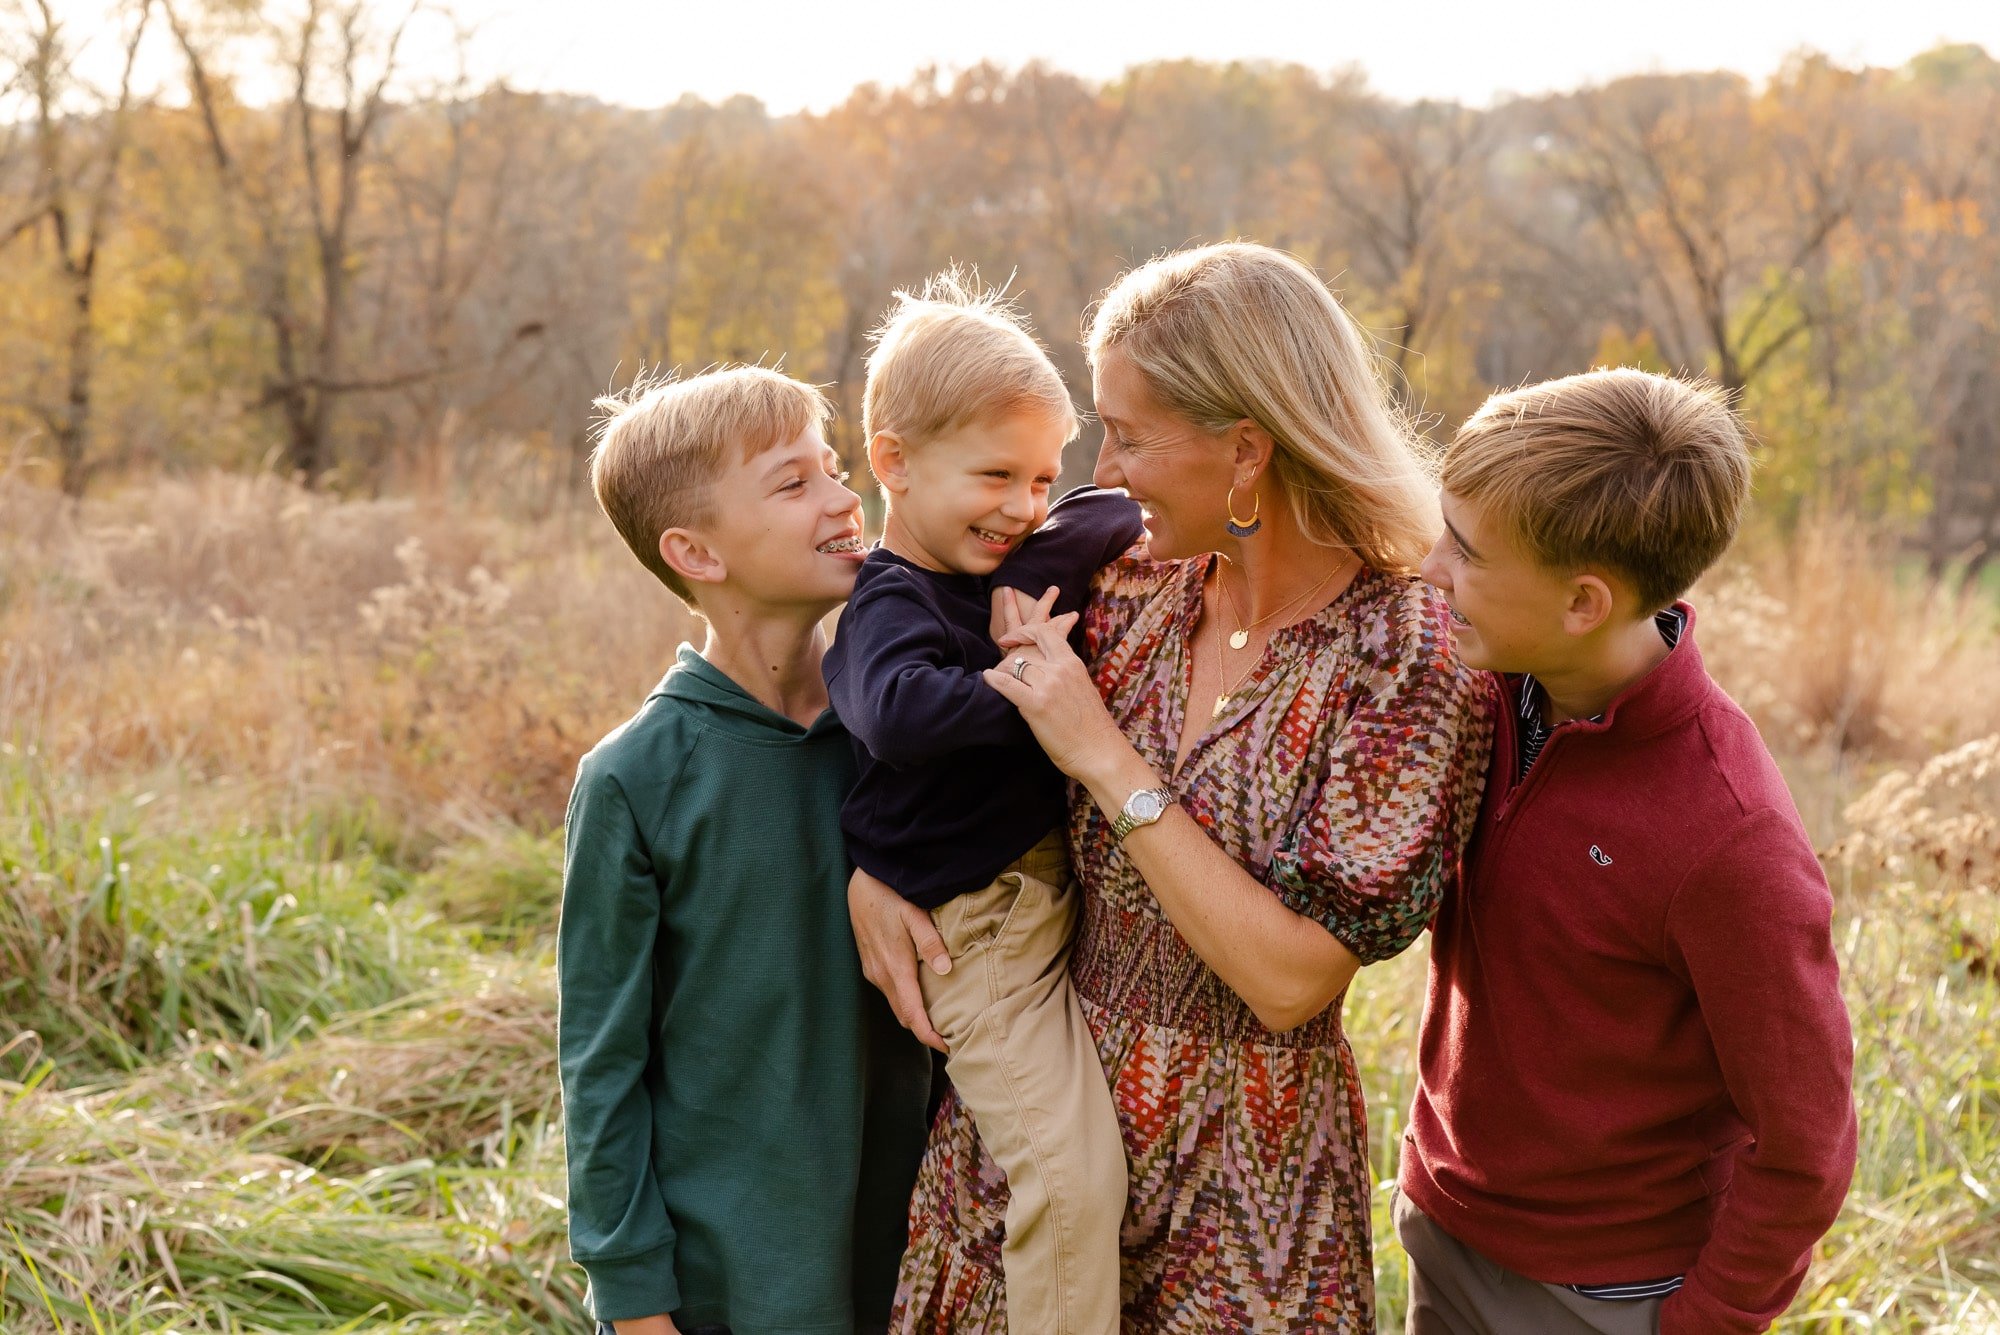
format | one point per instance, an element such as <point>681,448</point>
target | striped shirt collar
<point>1534,734</point>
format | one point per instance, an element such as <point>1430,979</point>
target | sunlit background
<point>796,56</point>
<point>306,612</point>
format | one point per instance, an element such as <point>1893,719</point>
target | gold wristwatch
<point>1141,808</point>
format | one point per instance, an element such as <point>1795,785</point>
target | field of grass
<point>280,782</point>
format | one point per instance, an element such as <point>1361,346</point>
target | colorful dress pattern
<point>1345,775</point>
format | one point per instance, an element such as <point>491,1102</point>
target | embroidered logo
<point>1599,856</point>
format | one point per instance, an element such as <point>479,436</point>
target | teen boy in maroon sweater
<point>1633,1111</point>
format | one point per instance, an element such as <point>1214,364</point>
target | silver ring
<point>1020,668</point>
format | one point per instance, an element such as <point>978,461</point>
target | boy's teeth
<point>849,544</point>
<point>990,536</point>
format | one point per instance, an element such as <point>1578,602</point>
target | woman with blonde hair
<point>1275,763</point>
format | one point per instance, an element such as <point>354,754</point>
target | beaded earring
<point>1243,528</point>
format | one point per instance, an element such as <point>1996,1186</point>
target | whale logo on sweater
<point>1599,856</point>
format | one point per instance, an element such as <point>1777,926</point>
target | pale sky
<point>795,54</point>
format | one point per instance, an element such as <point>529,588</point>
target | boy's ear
<point>692,557</point>
<point>1254,448</point>
<point>1590,604</point>
<point>889,461</point>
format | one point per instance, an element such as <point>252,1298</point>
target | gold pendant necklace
<point>1223,701</point>
<point>1240,637</point>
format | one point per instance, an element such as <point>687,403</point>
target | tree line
<point>369,274</point>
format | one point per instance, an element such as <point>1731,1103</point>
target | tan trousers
<point>1025,1066</point>
<point>1456,1291</point>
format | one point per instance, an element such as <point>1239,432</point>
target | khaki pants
<point>1456,1291</point>
<point>1025,1066</point>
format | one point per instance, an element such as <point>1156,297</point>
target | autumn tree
<point>77,142</point>
<point>1712,241</point>
<point>294,188</point>
<point>1937,261</point>
<point>414,276</point>
<point>1402,184</point>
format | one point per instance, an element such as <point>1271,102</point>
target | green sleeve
<point>605,950</point>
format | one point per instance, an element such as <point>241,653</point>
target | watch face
<point>1148,805</point>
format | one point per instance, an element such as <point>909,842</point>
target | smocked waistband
<point>1132,962</point>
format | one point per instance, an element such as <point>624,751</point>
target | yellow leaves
<point>1927,216</point>
<point>1617,347</point>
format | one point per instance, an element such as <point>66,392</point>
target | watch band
<point>1141,808</point>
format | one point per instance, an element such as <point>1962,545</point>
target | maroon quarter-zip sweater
<point>1635,1060</point>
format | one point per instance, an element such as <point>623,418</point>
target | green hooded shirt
<point>743,1115</point>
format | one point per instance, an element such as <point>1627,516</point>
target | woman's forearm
<point>1286,967</point>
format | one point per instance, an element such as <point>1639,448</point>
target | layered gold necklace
<point>1240,637</point>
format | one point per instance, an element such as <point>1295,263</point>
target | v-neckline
<point>1215,720</point>
<point>1241,701</point>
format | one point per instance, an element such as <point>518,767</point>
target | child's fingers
<point>1025,633</point>
<point>1038,608</point>
<point>1006,612</point>
<point>1051,636</point>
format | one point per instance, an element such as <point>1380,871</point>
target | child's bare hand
<point>891,932</point>
<point>1013,610</point>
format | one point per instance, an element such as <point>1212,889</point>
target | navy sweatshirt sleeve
<point>903,692</point>
<point>1086,530</point>
<point>952,785</point>
<point>900,694</point>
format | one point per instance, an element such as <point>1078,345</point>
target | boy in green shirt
<point>743,1114</point>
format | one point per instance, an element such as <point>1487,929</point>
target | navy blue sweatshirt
<point>953,785</point>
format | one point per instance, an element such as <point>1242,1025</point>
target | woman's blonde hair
<point>1228,332</point>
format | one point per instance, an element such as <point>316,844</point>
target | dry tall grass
<point>280,776</point>
<point>236,631</point>
<point>449,664</point>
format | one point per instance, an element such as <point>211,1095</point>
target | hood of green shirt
<point>694,680</point>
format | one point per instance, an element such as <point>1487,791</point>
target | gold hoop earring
<point>1243,528</point>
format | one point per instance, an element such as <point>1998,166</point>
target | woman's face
<point>1177,472</point>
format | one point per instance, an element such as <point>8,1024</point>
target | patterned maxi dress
<point>1345,776</point>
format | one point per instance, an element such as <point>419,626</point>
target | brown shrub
<point>239,628</point>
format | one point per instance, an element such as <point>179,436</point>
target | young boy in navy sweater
<point>1633,1110</point>
<point>956,806</point>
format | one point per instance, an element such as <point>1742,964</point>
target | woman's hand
<point>891,933</point>
<point>1056,696</point>
<point>1286,967</point>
